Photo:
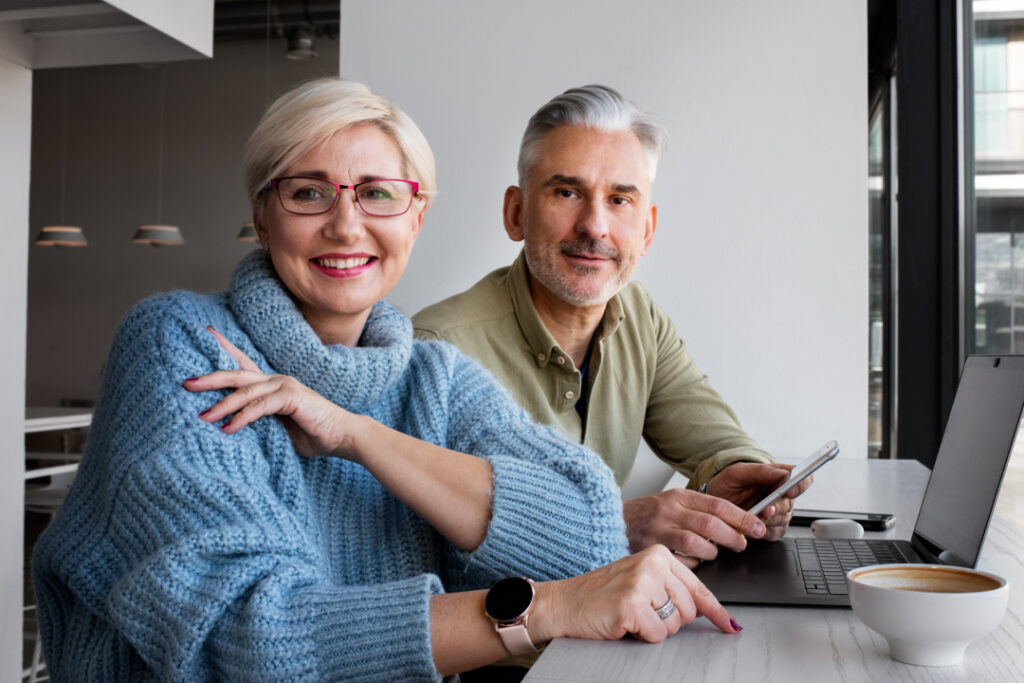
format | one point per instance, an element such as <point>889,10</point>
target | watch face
<point>508,599</point>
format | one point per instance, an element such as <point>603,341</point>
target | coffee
<point>927,579</point>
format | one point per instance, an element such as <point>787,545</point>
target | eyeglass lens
<point>375,197</point>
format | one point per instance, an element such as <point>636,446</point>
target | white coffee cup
<point>927,613</point>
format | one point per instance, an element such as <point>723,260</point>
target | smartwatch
<point>508,604</point>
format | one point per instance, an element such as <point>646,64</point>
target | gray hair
<point>598,107</point>
<point>304,117</point>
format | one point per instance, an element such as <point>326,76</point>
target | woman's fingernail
<point>205,412</point>
<point>224,427</point>
<point>736,626</point>
<point>191,379</point>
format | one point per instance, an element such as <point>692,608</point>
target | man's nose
<point>593,219</point>
<point>344,222</point>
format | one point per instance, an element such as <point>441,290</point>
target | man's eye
<point>565,193</point>
<point>620,201</point>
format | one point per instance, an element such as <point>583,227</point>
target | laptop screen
<point>975,447</point>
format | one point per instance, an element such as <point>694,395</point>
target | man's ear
<point>649,227</point>
<point>512,210</point>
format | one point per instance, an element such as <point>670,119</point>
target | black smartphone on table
<point>871,521</point>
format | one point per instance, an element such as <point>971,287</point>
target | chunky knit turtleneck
<point>353,377</point>
<point>183,553</point>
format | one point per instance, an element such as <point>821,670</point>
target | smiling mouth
<point>343,263</point>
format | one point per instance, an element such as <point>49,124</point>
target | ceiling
<point>248,19</point>
<point>233,19</point>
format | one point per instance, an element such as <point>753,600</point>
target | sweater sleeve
<point>191,555</point>
<point>556,510</point>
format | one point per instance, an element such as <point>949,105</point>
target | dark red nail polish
<point>205,412</point>
<point>224,427</point>
<point>735,625</point>
<point>191,379</point>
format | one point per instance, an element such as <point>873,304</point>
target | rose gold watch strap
<point>515,639</point>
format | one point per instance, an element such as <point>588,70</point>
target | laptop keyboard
<point>824,562</point>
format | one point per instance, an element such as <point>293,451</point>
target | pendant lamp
<point>62,235</point>
<point>158,235</point>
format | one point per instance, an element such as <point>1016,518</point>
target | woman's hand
<point>316,426</point>
<point>622,597</point>
<point>605,604</point>
<point>451,490</point>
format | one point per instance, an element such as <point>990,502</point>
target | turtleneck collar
<point>352,377</point>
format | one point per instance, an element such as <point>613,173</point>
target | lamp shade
<point>159,236</point>
<point>61,236</point>
<point>248,233</point>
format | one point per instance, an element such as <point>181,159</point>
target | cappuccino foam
<point>927,579</point>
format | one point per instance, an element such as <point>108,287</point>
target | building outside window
<point>998,266</point>
<point>995,271</point>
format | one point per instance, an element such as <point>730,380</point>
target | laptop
<point>951,526</point>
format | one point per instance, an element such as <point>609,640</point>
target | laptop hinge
<point>934,554</point>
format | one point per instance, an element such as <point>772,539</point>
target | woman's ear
<point>261,231</point>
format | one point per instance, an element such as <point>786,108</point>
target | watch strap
<point>515,638</point>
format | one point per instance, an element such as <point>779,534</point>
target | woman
<point>352,535</point>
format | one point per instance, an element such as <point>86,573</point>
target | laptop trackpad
<point>763,569</point>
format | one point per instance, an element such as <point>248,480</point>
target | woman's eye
<point>308,193</point>
<point>374,193</point>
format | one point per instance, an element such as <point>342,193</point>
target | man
<point>589,353</point>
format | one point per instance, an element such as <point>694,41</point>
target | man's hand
<point>745,483</point>
<point>689,523</point>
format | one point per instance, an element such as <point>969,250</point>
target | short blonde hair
<point>306,116</point>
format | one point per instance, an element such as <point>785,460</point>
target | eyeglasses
<point>310,196</point>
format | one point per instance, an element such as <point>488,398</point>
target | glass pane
<point>877,220</point>
<point>997,323</point>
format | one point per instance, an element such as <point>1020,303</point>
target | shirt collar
<point>542,345</point>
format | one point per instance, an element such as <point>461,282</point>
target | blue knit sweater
<point>183,553</point>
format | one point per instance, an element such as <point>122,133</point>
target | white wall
<point>761,254</point>
<point>15,129</point>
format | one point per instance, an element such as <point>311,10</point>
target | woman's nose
<point>345,221</point>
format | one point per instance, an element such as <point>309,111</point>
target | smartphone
<point>871,521</point>
<point>798,474</point>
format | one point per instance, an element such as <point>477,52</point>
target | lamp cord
<point>63,145</point>
<point>160,152</point>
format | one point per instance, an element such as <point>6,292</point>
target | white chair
<point>46,497</point>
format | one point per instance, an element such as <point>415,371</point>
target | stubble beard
<point>543,266</point>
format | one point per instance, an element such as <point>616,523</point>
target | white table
<point>792,644</point>
<point>49,419</point>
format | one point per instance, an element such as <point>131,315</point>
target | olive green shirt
<point>642,382</point>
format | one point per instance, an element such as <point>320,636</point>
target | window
<point>994,244</point>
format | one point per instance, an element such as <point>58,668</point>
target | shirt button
<point>569,394</point>
<point>561,360</point>
<point>541,357</point>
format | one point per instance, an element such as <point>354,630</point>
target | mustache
<point>585,246</point>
